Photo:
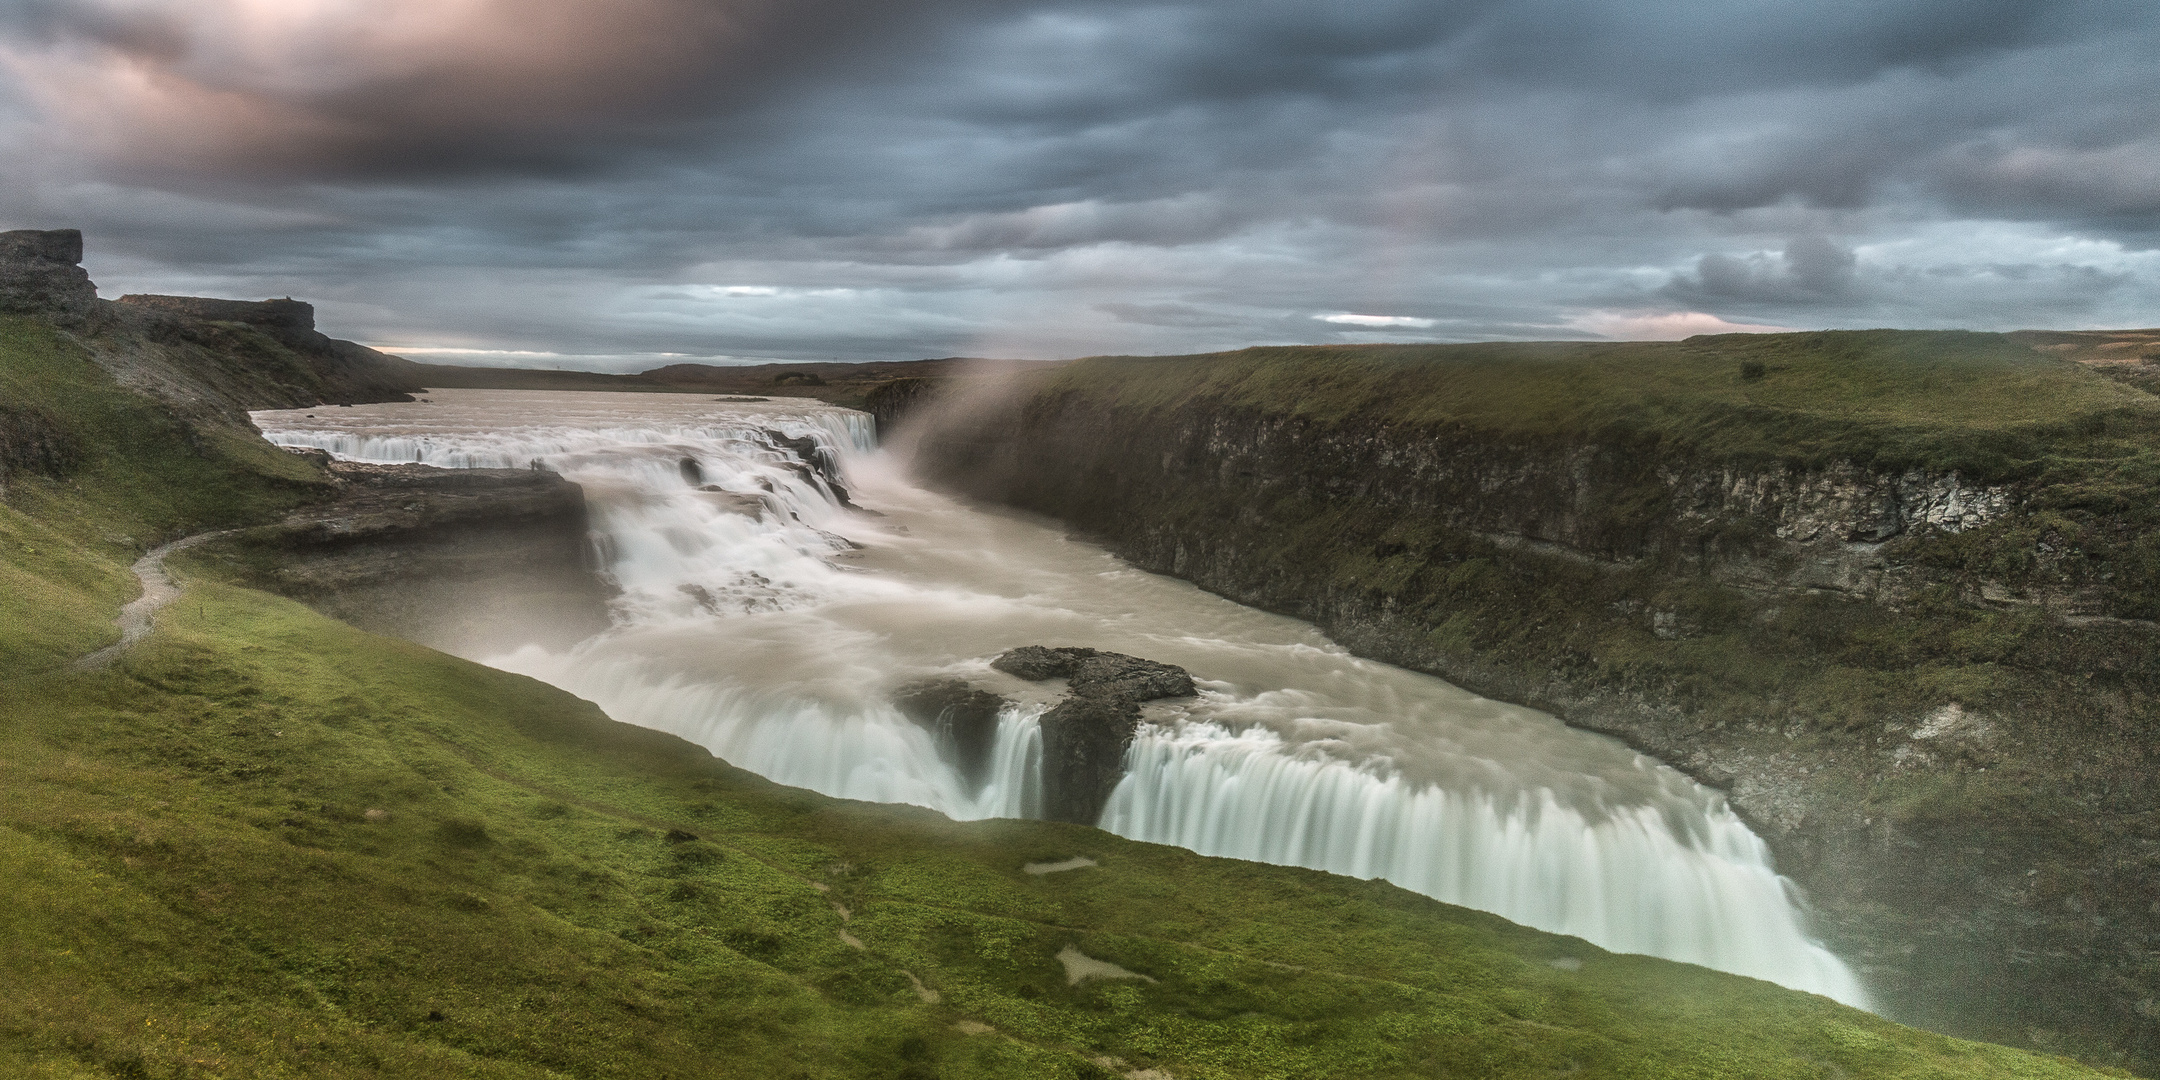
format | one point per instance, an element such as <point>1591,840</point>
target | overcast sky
<point>622,183</point>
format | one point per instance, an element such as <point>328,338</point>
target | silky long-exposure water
<point>763,619</point>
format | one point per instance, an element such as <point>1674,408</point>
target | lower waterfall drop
<point>1632,879</point>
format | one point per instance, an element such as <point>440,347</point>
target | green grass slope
<point>135,474</point>
<point>1982,404</point>
<point>267,844</point>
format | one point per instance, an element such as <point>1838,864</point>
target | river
<point>762,618</point>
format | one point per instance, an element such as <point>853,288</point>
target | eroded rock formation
<point>206,358</point>
<point>40,273</point>
<point>1084,736</point>
<point>467,560</point>
<point>963,718</point>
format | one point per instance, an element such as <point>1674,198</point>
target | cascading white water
<point>1630,878</point>
<point>765,621</point>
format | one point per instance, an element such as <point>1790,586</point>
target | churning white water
<point>765,620</point>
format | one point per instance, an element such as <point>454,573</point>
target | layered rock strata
<point>963,719</point>
<point>40,273</point>
<point>471,561</point>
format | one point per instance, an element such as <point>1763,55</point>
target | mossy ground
<point>1981,404</point>
<point>267,844</point>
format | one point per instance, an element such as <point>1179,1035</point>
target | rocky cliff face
<point>473,561</point>
<point>1953,765</point>
<point>40,273</point>
<point>203,356</point>
<point>323,369</point>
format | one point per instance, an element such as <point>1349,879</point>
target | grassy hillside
<point>267,844</point>
<point>1979,403</point>
<point>131,473</point>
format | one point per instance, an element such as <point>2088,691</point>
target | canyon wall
<point>476,562</point>
<point>1952,761</point>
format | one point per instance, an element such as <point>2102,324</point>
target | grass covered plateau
<point>1949,400</point>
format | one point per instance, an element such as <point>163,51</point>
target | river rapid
<point>761,617</point>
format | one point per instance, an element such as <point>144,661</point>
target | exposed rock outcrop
<point>963,719</point>
<point>286,317</point>
<point>210,360</point>
<point>471,561</point>
<point>811,460</point>
<point>40,273</point>
<point>337,372</point>
<point>1085,734</point>
<point>1090,671</point>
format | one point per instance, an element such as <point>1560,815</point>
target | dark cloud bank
<point>577,182</point>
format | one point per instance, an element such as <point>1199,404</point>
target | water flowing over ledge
<point>761,618</point>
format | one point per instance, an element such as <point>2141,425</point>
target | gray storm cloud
<point>605,182</point>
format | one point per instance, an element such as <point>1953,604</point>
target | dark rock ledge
<point>466,560</point>
<point>1084,735</point>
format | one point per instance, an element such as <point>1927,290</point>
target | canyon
<point>1927,684</point>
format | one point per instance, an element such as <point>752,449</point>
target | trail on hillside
<point>158,590</point>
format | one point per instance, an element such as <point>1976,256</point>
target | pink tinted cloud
<point>300,86</point>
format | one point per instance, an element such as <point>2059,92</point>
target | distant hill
<point>850,385</point>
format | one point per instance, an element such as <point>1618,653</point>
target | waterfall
<point>1646,878</point>
<point>762,618</point>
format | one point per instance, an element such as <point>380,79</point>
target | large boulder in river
<point>963,718</point>
<point>1085,735</point>
<point>1083,753</point>
<point>1086,670</point>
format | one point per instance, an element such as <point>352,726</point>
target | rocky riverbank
<point>473,561</point>
<point>1926,678</point>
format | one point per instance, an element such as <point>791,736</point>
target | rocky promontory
<point>466,560</point>
<point>203,356</point>
<point>1085,734</point>
<point>41,273</point>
